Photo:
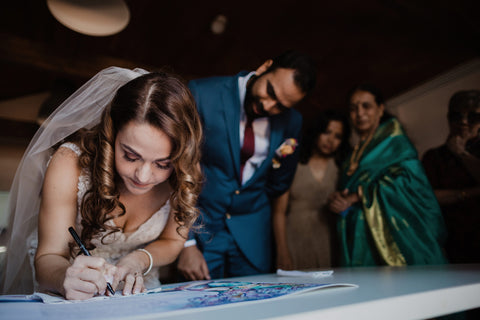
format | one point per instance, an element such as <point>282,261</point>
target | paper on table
<point>311,274</point>
<point>48,298</point>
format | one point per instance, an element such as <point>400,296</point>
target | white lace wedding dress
<point>119,244</point>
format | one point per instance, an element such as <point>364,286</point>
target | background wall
<point>423,110</point>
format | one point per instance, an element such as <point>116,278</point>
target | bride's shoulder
<point>69,147</point>
<point>64,159</point>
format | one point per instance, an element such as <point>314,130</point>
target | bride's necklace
<point>357,154</point>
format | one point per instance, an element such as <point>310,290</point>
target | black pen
<point>85,252</point>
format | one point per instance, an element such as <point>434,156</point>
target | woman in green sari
<point>388,212</point>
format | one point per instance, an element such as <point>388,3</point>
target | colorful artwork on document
<point>212,293</point>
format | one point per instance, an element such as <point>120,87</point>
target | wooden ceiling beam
<point>27,52</point>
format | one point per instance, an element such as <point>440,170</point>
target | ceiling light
<point>91,17</point>
<point>218,24</point>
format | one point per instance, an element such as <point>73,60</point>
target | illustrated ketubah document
<point>195,294</point>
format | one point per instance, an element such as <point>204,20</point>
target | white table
<point>415,292</point>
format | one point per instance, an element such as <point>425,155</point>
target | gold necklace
<point>357,154</point>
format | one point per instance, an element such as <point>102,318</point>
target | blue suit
<point>224,203</point>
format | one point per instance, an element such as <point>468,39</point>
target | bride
<point>118,162</point>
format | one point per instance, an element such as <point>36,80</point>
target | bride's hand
<point>133,282</point>
<point>129,269</point>
<point>86,277</point>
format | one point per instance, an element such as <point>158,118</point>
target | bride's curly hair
<point>163,101</point>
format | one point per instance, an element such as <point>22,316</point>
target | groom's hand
<point>192,264</point>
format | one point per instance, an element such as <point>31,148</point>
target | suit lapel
<point>276,134</point>
<point>231,114</point>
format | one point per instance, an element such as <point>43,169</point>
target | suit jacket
<point>224,202</point>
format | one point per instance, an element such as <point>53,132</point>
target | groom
<point>246,119</point>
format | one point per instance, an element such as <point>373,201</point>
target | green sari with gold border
<point>397,220</point>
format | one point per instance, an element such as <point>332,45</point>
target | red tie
<point>248,147</point>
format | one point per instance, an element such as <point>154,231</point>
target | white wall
<point>423,110</point>
<point>3,210</point>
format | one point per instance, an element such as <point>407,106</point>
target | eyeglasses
<point>471,117</point>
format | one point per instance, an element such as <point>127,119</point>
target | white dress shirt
<point>261,129</point>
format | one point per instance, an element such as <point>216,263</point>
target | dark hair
<point>305,71</point>
<point>377,94</point>
<point>163,101</point>
<point>464,99</point>
<point>319,126</point>
<point>368,87</point>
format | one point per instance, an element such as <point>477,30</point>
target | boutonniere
<point>285,149</point>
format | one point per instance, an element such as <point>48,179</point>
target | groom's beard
<point>250,101</point>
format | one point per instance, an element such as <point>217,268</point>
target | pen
<point>85,252</point>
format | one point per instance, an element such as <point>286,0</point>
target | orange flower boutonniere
<point>285,149</point>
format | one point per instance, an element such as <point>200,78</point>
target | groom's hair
<point>305,71</point>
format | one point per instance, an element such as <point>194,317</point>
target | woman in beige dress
<point>303,226</point>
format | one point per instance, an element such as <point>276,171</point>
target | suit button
<point>237,191</point>
<point>227,215</point>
